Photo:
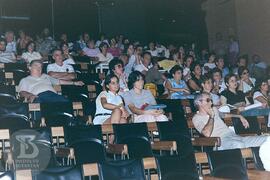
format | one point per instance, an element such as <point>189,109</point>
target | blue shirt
<point>182,84</point>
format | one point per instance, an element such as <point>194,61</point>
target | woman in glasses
<point>138,99</point>
<point>246,83</point>
<point>232,95</point>
<point>109,104</point>
<point>116,67</point>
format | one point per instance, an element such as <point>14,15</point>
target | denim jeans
<point>49,96</point>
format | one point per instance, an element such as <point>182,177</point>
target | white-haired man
<point>208,122</point>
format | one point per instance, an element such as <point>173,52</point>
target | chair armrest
<point>206,141</point>
<point>164,145</point>
<point>117,149</point>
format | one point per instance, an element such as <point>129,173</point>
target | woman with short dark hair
<point>177,87</point>
<point>31,53</point>
<point>138,99</point>
<point>195,82</point>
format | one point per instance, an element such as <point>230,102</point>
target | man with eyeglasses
<point>209,123</point>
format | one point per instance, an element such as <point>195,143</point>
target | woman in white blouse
<point>261,95</point>
<point>246,83</point>
<point>30,53</point>
<point>104,56</point>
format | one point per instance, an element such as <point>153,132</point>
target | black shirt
<point>233,98</point>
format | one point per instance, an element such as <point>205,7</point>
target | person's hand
<point>241,108</point>
<point>125,113</point>
<point>210,112</point>
<point>78,83</point>
<point>32,98</point>
<point>264,105</point>
<point>154,112</point>
<point>244,122</point>
<point>186,91</point>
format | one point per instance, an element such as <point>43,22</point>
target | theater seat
<point>14,122</point>
<point>175,167</point>
<point>8,175</point>
<point>122,170</point>
<point>10,105</point>
<point>87,143</point>
<point>136,137</point>
<point>59,173</point>
<point>227,164</point>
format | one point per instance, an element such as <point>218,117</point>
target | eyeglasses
<point>207,100</point>
<point>246,72</point>
<point>119,66</point>
<point>140,79</point>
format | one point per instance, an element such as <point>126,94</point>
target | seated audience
<point>207,86</point>
<point>261,95</point>
<point>154,76</point>
<point>10,42</point>
<point>38,87</point>
<point>177,58</point>
<point>220,65</point>
<point>22,42</point>
<point>246,83</point>
<point>234,49</point>
<point>113,49</point>
<point>152,49</point>
<point>116,68</point>
<point>194,83</point>
<point>66,55</point>
<point>233,96</point>
<point>207,67</point>
<point>258,67</point>
<point>104,56</point>
<point>218,81</point>
<point>31,53</point>
<point>137,99</point>
<point>241,61</point>
<point>47,43</point>
<point>64,40</point>
<point>102,40</point>
<point>186,71</point>
<point>208,122</point>
<point>6,57</point>
<point>145,64</point>
<point>109,105</point>
<point>177,87</point>
<point>131,59</point>
<point>59,69</point>
<point>91,49</point>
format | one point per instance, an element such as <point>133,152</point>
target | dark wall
<point>177,21</point>
<point>71,16</point>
